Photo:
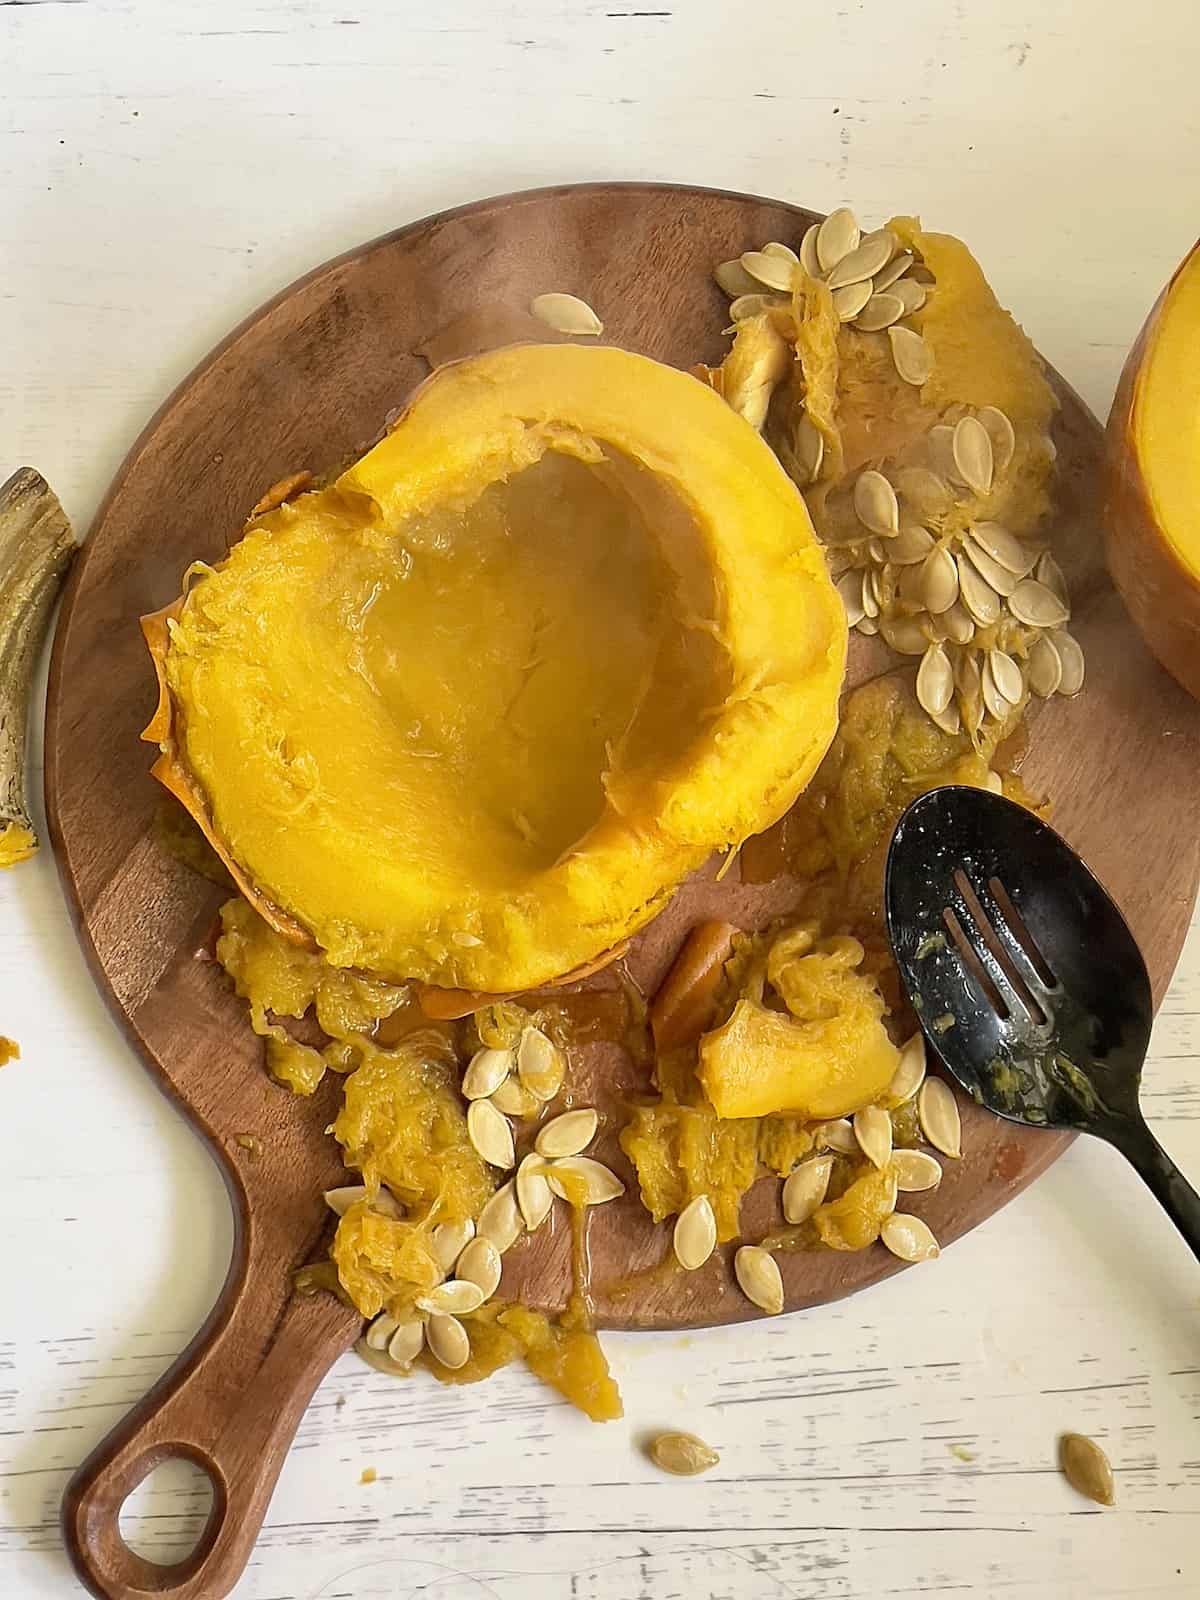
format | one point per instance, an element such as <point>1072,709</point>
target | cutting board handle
<point>231,1405</point>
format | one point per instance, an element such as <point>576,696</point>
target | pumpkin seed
<point>877,551</point>
<point>759,1278</point>
<point>850,588</point>
<point>997,577</point>
<point>980,599</point>
<point>911,356</point>
<point>448,1241</point>
<point>682,1454</point>
<point>910,1071</point>
<point>535,1199</point>
<point>939,580</point>
<point>568,1135</point>
<point>1000,431</point>
<point>783,251</point>
<point>836,237</point>
<point>448,1341</point>
<point>405,1344</point>
<point>850,300</point>
<point>998,704</point>
<point>541,1066</point>
<point>733,278</point>
<point>566,313</point>
<point>949,720</point>
<point>896,268</point>
<point>1086,1468</point>
<point>940,444</point>
<point>579,1178</point>
<point>957,623</point>
<point>870,592</point>
<point>909,1238</point>
<point>339,1201</point>
<point>1044,666</point>
<point>910,293</point>
<point>500,1220</point>
<point>480,1264</point>
<point>838,1135</point>
<point>879,312</point>
<point>490,1134</point>
<point>868,625</point>
<point>695,1236</point>
<point>809,448</point>
<point>973,454</point>
<point>925,490</point>
<point>1033,603</point>
<point>873,1130</point>
<point>904,634</point>
<point>911,545</point>
<point>513,1099</point>
<point>937,1112</point>
<point>1007,551</point>
<point>455,1297</point>
<point>773,271</point>
<point>861,264</point>
<point>993,783</point>
<point>875,503</point>
<point>380,1331</point>
<point>935,680</point>
<point>1071,656</point>
<point>753,305</point>
<point>805,1187</point>
<point>808,251</point>
<point>1006,674</point>
<point>916,1171</point>
<point>1051,574</point>
<point>486,1072</point>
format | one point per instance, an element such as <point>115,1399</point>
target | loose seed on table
<point>682,1454</point>
<point>1086,1468</point>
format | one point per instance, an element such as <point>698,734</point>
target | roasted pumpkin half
<point>469,713</point>
<point>1153,523</point>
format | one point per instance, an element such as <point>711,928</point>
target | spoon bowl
<point>1029,986</point>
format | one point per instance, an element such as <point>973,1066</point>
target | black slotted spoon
<point>1027,982</point>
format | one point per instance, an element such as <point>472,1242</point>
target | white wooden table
<point>165,165</point>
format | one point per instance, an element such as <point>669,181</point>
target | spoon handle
<point>1174,1193</point>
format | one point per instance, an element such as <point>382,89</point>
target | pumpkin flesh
<point>471,713</point>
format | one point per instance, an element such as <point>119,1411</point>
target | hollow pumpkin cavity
<point>471,712</point>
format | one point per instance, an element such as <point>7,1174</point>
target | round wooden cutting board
<point>308,382</point>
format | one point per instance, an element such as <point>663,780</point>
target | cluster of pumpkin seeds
<point>869,1133</point>
<point>986,611</point>
<point>497,1084</point>
<point>875,283</point>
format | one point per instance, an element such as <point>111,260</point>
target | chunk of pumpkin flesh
<point>827,1056</point>
<point>1153,514</point>
<point>471,713</point>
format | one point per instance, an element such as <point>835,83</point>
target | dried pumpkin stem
<point>36,548</point>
